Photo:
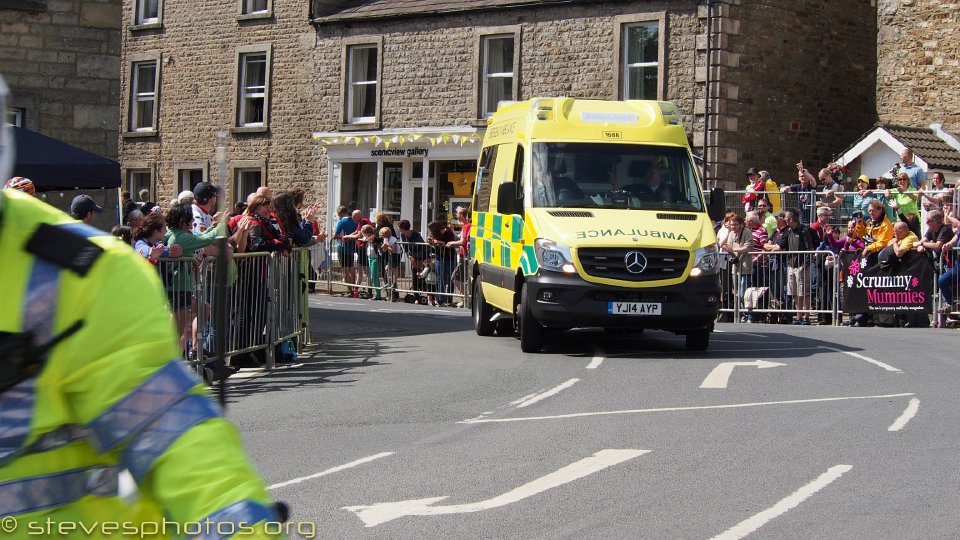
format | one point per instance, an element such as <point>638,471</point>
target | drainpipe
<point>706,91</point>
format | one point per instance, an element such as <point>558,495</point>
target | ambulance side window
<point>481,202</point>
<point>518,170</point>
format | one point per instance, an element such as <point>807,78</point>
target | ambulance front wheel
<point>530,331</point>
<point>481,311</point>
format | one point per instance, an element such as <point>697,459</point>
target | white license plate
<point>633,308</point>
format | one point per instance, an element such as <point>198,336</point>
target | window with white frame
<point>641,66</point>
<point>251,7</point>
<point>188,178</point>
<point>143,95</point>
<point>146,12</point>
<point>247,181</point>
<point>253,89</point>
<point>138,179</point>
<point>498,71</point>
<point>15,116</point>
<point>362,84</point>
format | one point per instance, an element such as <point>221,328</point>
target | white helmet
<point>6,136</point>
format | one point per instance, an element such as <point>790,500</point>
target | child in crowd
<point>390,249</point>
<point>369,238</point>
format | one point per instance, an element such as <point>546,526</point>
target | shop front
<point>421,175</point>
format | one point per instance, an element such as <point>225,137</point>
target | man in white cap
<point>185,197</point>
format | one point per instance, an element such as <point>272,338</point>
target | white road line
<point>887,367</point>
<point>553,391</point>
<point>909,413</point>
<point>720,376</point>
<point>597,359</point>
<point>675,409</point>
<point>751,524</point>
<point>521,400</point>
<point>749,334</point>
<point>377,513</point>
<point>332,470</point>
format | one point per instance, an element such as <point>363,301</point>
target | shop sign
<point>400,152</point>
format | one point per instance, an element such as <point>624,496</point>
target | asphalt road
<point>403,423</point>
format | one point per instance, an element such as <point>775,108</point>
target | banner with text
<point>906,287</point>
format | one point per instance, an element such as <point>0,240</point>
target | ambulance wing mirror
<point>507,200</point>
<point>717,207</point>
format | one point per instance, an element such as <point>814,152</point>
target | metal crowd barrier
<point>766,294</point>
<point>945,314</point>
<point>840,215</point>
<point>762,295</point>
<point>418,272</point>
<point>266,303</point>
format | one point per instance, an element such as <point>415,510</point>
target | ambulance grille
<point>678,217</point>
<point>610,263</point>
<point>570,213</point>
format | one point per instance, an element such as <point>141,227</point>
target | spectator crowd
<point>370,255</point>
<point>882,220</point>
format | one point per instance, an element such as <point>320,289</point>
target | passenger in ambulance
<point>567,192</point>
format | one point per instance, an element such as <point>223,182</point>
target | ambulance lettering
<point>640,233</point>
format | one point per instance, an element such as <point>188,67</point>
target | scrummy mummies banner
<point>906,287</point>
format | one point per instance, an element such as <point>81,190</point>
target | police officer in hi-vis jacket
<point>90,384</point>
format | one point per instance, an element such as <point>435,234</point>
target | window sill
<point>479,122</point>
<point>260,15</point>
<point>148,26</point>
<point>365,126</point>
<point>239,130</point>
<point>140,134</point>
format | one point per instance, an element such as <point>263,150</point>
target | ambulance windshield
<point>605,175</point>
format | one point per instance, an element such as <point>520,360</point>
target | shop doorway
<point>358,186</point>
<point>392,195</point>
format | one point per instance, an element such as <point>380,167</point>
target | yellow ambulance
<point>590,214</point>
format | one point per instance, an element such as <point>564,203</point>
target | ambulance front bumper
<point>567,301</point>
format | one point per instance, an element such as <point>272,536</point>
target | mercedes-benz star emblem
<point>635,261</point>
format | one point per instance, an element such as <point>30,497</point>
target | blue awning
<point>55,165</point>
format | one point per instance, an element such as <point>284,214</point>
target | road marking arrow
<point>375,514</point>
<point>721,374</point>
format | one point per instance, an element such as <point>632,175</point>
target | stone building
<point>61,59</point>
<point>919,63</point>
<point>369,102</point>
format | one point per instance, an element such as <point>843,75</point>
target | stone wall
<point>430,67</point>
<point>797,82</point>
<point>789,81</point>
<point>919,63</point>
<point>62,63</point>
<point>198,45</point>
<point>430,64</point>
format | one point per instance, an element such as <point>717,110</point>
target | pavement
<point>401,422</point>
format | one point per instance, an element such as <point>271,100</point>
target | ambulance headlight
<point>706,261</point>
<point>553,256</point>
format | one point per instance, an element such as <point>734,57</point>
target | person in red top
<point>459,273</point>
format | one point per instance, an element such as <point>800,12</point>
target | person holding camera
<point>876,231</point>
<point>806,190</point>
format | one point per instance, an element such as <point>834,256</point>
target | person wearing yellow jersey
<point>90,384</point>
<point>876,231</point>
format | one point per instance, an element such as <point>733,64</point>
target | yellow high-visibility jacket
<point>882,233</point>
<point>111,395</point>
